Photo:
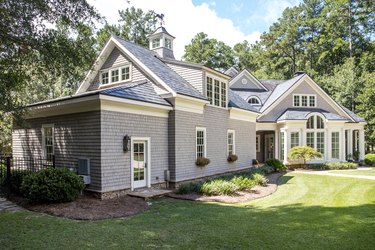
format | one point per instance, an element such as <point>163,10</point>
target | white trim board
<point>250,76</point>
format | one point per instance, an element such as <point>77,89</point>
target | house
<point>141,118</point>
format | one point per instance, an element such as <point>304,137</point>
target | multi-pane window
<point>216,92</point>
<point>254,101</point>
<point>310,140</point>
<point>48,139</point>
<point>320,142</point>
<point>319,123</point>
<point>125,73</point>
<point>155,43</point>
<point>282,145</point>
<point>335,145</point>
<point>304,100</point>
<point>105,77</point>
<point>310,123</point>
<point>231,139</point>
<point>294,139</point>
<point>168,43</point>
<point>115,75</point>
<point>201,142</point>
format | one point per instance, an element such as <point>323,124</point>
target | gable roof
<point>251,77</point>
<point>303,113</point>
<point>235,101</point>
<point>352,114</point>
<point>232,72</point>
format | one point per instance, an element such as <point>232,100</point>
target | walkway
<point>334,174</point>
<point>6,205</point>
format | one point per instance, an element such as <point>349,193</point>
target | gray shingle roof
<point>171,78</point>
<point>140,91</point>
<point>271,84</point>
<point>302,113</point>
<point>245,94</point>
<point>279,90</point>
<point>235,101</point>
<point>352,115</point>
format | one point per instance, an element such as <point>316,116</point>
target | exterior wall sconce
<point>125,143</point>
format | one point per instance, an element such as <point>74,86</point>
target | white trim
<point>44,126</point>
<point>250,76</point>
<point>188,104</point>
<point>204,141</point>
<point>308,100</point>
<point>221,80</point>
<point>234,141</point>
<point>242,115</point>
<point>148,170</point>
<point>110,70</point>
<point>255,97</point>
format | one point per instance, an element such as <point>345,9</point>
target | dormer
<point>162,43</point>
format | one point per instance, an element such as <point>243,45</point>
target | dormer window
<point>168,43</point>
<point>254,101</point>
<point>155,43</point>
<point>304,100</point>
<point>216,91</point>
<point>115,75</point>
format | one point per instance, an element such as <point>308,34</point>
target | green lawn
<point>307,212</point>
<point>370,172</point>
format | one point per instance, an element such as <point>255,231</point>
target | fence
<point>13,166</point>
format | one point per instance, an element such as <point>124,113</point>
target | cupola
<point>161,41</point>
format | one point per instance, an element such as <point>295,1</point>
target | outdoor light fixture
<point>125,143</point>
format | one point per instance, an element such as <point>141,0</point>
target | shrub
<point>276,164</point>
<point>242,182</point>
<point>334,166</point>
<point>260,179</point>
<point>190,187</point>
<point>232,158</point>
<point>52,185</point>
<point>304,153</point>
<point>218,187</point>
<point>16,179</point>
<point>370,160</point>
<point>202,161</point>
<point>255,162</point>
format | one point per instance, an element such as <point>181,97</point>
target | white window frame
<point>254,97</point>
<point>155,44</point>
<point>221,81</point>
<point>257,143</point>
<point>166,43</point>
<point>308,96</point>
<point>338,145</point>
<point>291,140</point>
<point>315,130</point>
<point>233,141</point>
<point>204,141</point>
<point>44,126</point>
<point>109,71</point>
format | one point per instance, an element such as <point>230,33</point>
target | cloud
<point>183,20</point>
<point>275,8</point>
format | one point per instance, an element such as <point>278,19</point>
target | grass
<point>370,172</point>
<point>306,212</point>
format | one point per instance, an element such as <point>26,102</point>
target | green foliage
<point>202,161</point>
<point>370,160</point>
<point>210,52</point>
<point>243,182</point>
<point>190,187</point>
<point>276,164</point>
<point>52,185</point>
<point>260,179</point>
<point>334,166</point>
<point>219,187</point>
<point>232,158</point>
<point>304,153</point>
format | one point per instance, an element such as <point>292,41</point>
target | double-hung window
<point>200,142</point>
<point>231,142</point>
<point>294,139</point>
<point>335,145</point>
<point>216,91</point>
<point>48,141</point>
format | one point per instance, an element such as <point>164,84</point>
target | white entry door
<point>139,163</point>
<point>269,143</point>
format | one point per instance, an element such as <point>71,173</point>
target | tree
<point>210,52</point>
<point>304,153</point>
<point>134,25</point>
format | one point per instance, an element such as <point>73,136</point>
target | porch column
<point>361,144</point>
<point>350,142</point>
<point>277,145</point>
<point>327,148</point>
<point>302,141</point>
<point>286,146</point>
<point>342,145</point>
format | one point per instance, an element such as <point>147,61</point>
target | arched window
<point>254,101</point>
<point>315,133</point>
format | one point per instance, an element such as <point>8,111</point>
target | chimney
<point>298,73</point>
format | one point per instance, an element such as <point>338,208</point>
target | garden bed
<point>240,196</point>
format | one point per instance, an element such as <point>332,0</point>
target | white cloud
<point>182,19</point>
<point>275,8</point>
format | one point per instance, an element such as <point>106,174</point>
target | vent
<point>84,170</point>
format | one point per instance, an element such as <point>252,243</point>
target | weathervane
<point>160,18</point>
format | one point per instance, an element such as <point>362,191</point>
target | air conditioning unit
<point>84,170</point>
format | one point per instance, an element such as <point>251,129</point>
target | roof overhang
<point>242,114</point>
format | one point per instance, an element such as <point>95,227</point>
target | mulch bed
<point>88,208</point>
<point>242,196</point>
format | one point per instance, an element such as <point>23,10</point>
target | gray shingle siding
<point>76,136</point>
<point>217,122</point>
<point>115,163</point>
<point>191,75</point>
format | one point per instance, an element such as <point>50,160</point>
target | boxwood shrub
<point>276,164</point>
<point>370,160</point>
<point>334,166</point>
<point>52,185</point>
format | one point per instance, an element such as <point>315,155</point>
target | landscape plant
<point>370,160</point>
<point>304,153</point>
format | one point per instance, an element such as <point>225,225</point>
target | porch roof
<point>302,114</point>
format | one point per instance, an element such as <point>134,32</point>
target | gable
<point>305,87</point>
<point>245,80</point>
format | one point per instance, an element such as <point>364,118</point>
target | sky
<point>230,21</point>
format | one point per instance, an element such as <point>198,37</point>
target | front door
<point>139,164</point>
<point>269,143</point>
